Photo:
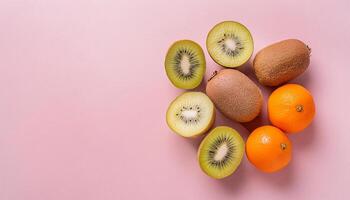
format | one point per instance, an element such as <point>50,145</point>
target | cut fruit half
<point>185,64</point>
<point>221,152</point>
<point>230,44</point>
<point>191,114</point>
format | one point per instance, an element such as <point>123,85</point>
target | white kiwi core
<point>190,114</point>
<point>185,64</point>
<point>230,43</point>
<point>221,152</point>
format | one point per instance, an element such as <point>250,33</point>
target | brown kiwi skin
<point>235,95</point>
<point>281,62</point>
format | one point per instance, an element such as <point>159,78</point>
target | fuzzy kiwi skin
<point>281,62</point>
<point>235,95</point>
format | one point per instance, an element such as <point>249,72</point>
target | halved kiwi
<point>191,114</point>
<point>185,64</point>
<point>221,152</point>
<point>230,44</point>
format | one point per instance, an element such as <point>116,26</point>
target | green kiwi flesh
<point>230,44</point>
<point>221,152</point>
<point>185,64</point>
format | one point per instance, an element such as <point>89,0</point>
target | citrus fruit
<point>268,149</point>
<point>291,108</point>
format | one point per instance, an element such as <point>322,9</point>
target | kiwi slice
<point>185,64</point>
<point>221,152</point>
<point>230,44</point>
<point>191,114</point>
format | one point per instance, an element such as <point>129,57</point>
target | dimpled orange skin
<point>269,149</point>
<point>291,108</point>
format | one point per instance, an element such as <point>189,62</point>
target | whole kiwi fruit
<point>235,95</point>
<point>281,62</point>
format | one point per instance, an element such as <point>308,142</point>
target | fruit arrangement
<point>291,107</point>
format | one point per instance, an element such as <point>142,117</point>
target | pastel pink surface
<point>84,95</point>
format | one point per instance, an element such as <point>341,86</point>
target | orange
<point>268,149</point>
<point>291,108</point>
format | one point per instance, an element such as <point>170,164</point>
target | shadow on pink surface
<point>306,138</point>
<point>281,179</point>
<point>234,183</point>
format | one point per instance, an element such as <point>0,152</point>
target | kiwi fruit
<point>191,114</point>
<point>230,44</point>
<point>221,152</point>
<point>281,62</point>
<point>235,95</point>
<point>185,64</point>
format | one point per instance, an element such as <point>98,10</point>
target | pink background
<point>83,95</point>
